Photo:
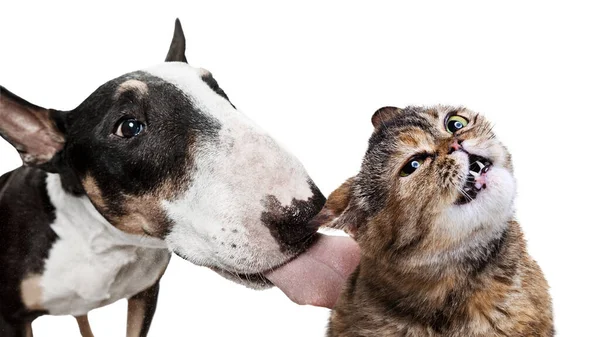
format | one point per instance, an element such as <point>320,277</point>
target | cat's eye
<point>455,123</point>
<point>411,166</point>
<point>129,128</point>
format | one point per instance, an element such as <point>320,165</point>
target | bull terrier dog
<point>153,162</point>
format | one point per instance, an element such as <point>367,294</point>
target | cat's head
<point>431,177</point>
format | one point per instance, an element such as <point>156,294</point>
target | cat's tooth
<point>475,174</point>
<point>481,165</point>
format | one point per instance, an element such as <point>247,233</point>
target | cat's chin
<point>493,206</point>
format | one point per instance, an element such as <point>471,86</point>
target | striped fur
<point>429,265</point>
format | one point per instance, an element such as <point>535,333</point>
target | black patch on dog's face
<point>212,83</point>
<point>135,166</point>
<point>288,224</point>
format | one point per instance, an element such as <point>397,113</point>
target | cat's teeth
<point>475,174</point>
<point>481,165</point>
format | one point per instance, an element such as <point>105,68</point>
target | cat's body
<point>436,261</point>
<point>507,297</point>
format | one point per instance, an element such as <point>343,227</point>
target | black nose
<point>289,224</point>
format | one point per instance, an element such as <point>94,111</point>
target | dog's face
<point>163,153</point>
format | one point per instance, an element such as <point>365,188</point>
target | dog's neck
<point>70,183</point>
<point>76,216</point>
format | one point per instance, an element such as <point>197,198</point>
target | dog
<point>153,162</point>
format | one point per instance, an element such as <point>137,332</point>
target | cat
<point>432,210</point>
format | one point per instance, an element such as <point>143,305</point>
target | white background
<point>312,74</point>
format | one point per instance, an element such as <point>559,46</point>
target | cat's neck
<point>422,285</point>
<point>471,250</point>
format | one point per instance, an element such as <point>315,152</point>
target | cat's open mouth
<point>476,180</point>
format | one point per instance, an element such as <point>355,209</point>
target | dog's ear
<point>340,210</point>
<point>32,130</point>
<point>177,49</point>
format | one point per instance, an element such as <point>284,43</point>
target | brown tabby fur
<point>430,267</point>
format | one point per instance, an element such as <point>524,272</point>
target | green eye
<point>411,167</point>
<point>456,123</point>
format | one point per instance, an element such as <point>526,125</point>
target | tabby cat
<point>432,209</point>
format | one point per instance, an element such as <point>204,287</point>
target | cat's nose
<point>455,145</point>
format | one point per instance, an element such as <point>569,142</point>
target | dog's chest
<point>76,279</point>
<point>93,264</point>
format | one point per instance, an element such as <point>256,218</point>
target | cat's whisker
<point>488,131</point>
<point>463,192</point>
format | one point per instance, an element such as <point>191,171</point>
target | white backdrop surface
<point>312,73</point>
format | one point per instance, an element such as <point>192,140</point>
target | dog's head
<point>163,152</point>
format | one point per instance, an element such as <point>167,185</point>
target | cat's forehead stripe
<point>410,138</point>
<point>409,120</point>
<point>433,113</point>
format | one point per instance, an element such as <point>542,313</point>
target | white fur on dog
<point>217,221</point>
<point>92,263</point>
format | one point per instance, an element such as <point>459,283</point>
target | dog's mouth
<point>476,180</point>
<point>317,276</point>
<point>314,277</point>
<point>254,280</point>
<point>259,280</point>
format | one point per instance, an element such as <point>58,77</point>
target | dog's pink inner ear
<point>29,128</point>
<point>383,115</point>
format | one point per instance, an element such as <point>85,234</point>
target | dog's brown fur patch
<point>137,214</point>
<point>93,191</point>
<point>142,215</point>
<point>28,330</point>
<point>137,86</point>
<point>32,293</point>
<point>84,326</point>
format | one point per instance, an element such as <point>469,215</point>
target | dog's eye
<point>456,123</point>
<point>411,167</point>
<point>129,127</point>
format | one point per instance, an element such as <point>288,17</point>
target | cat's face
<point>433,174</point>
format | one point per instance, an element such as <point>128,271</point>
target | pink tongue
<point>316,277</point>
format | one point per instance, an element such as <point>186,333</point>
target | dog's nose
<point>455,145</point>
<point>289,224</point>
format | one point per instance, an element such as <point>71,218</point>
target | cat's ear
<point>383,115</point>
<point>32,130</point>
<point>177,50</point>
<point>340,210</point>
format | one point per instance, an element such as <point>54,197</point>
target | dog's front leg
<point>84,326</point>
<point>14,329</point>
<point>27,330</point>
<point>140,310</point>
